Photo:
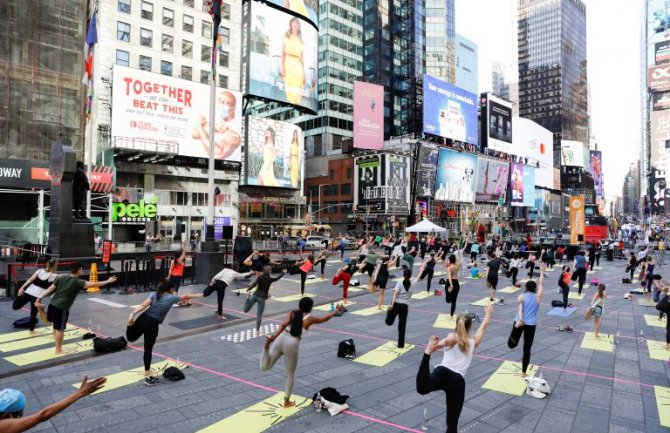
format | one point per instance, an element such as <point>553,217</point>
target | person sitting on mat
<point>66,288</point>
<point>13,403</point>
<point>286,342</point>
<point>448,376</point>
<point>261,294</point>
<point>219,284</point>
<point>34,287</point>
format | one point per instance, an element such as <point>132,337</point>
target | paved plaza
<point>616,384</point>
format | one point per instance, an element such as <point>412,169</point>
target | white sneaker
<point>534,393</point>
<point>538,384</point>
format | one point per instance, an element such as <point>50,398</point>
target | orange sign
<point>577,219</point>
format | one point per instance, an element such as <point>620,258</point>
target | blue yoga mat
<point>558,311</point>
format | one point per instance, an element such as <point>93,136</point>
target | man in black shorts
<point>493,266</point>
<point>66,288</point>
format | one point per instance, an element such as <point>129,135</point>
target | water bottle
<point>332,307</point>
<point>642,335</point>
<point>424,427</point>
<point>618,337</point>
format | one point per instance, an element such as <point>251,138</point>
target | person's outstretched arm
<point>540,283</point>
<point>479,336</point>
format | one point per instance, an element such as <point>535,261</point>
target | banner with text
<point>449,111</point>
<point>577,219</point>
<point>368,116</point>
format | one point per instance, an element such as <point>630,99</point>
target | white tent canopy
<point>425,226</point>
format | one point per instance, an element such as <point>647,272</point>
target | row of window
<point>146,35</point>
<point>147,8</point>
<point>330,190</point>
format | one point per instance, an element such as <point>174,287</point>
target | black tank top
<point>43,283</point>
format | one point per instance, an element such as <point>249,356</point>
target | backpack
<point>23,323</point>
<point>346,349</point>
<point>108,345</point>
<point>173,374</point>
<point>556,303</point>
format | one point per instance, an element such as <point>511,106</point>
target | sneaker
<point>151,381</point>
<point>568,328</point>
<point>534,393</point>
<point>538,384</point>
<point>501,301</point>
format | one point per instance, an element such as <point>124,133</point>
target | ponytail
<point>463,324</point>
<point>164,286</point>
<point>407,274</point>
<point>601,290</point>
<point>296,323</point>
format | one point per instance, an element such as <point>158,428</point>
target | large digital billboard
<point>536,143</point>
<point>574,154</point>
<point>449,111</point>
<point>280,56</point>
<point>492,178</point>
<point>368,116</point>
<point>397,184</point>
<point>517,184</point>
<point>370,190</point>
<point>528,186</point>
<point>658,78</point>
<point>159,109</point>
<point>273,155</point>
<point>596,170</point>
<point>497,123</point>
<point>427,168</point>
<point>456,176</point>
<point>662,52</point>
<point>308,9</point>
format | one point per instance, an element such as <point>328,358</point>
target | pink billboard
<point>368,116</point>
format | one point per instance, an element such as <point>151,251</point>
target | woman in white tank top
<point>459,348</point>
<point>33,288</point>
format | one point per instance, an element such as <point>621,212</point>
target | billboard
<point>662,52</point>
<point>517,184</point>
<point>456,176</point>
<point>397,184</point>
<point>428,156</point>
<point>449,111</point>
<point>308,9</point>
<point>492,179</point>
<point>536,143</point>
<point>577,219</point>
<point>368,116</point>
<point>273,155</point>
<point>660,139</point>
<point>497,123</point>
<point>280,56</point>
<point>165,110</point>
<point>370,190</point>
<point>596,170</point>
<point>658,78</point>
<point>574,154</point>
<point>528,186</point>
<point>661,101</point>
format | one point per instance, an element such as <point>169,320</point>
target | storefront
<point>264,216</point>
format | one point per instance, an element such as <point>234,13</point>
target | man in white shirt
<point>219,283</point>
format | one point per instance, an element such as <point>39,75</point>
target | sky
<point>613,58</point>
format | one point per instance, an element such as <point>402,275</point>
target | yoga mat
<point>663,404</point>
<point>576,285</point>
<point>646,303</point>
<point>560,312</point>
<point>652,320</point>
<point>308,281</point>
<point>259,417</point>
<point>510,289</point>
<point>69,334</point>
<point>356,289</point>
<point>20,335</point>
<point>370,311</point>
<point>507,378</point>
<point>384,354</point>
<point>590,272</point>
<point>657,350</point>
<point>292,298</point>
<point>445,321</point>
<point>48,354</point>
<point>199,322</point>
<point>326,307</point>
<point>485,301</point>
<point>128,377</point>
<point>605,343</point>
<point>423,295</point>
<point>574,295</point>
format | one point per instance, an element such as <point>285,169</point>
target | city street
<point>617,387</point>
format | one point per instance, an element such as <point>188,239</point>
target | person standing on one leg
<point>632,264</point>
<point>304,268</point>
<point>525,321</point>
<point>454,286</point>
<point>514,265</point>
<point>448,376</point>
<point>580,270</point>
<point>564,284</point>
<point>176,272</point>
<point>381,277</point>
<point>427,271</point>
<point>663,306</point>
<point>66,288</point>
<point>34,287</point>
<point>598,307</point>
<point>323,257</point>
<point>219,283</point>
<point>492,268</point>
<point>399,306</point>
<point>260,295</point>
<point>530,264</point>
<point>344,275</point>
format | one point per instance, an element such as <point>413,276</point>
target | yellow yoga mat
<point>445,321</point>
<point>604,343</point>
<point>597,268</point>
<point>69,334</point>
<point>576,285</point>
<point>510,289</point>
<point>21,335</point>
<point>307,281</point>
<point>370,311</point>
<point>646,302</point>
<point>590,272</point>
<point>663,404</point>
<point>259,417</point>
<point>356,289</point>
<point>48,354</point>
<point>326,307</point>
<point>384,354</point>
<point>658,350</point>
<point>652,320</point>
<point>485,301</point>
<point>507,378</point>
<point>128,377</point>
<point>423,295</point>
<point>292,298</point>
<point>550,270</point>
<point>574,295</point>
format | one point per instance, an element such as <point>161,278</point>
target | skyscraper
<point>552,68</point>
<point>466,64</point>
<point>441,43</point>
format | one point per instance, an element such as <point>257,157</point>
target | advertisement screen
<point>281,59</point>
<point>427,167</point>
<point>368,116</point>
<point>498,124</point>
<point>658,78</point>
<point>456,176</point>
<point>397,184</point>
<point>660,139</point>
<point>449,111</point>
<point>596,170</point>
<point>273,153</point>
<point>528,186</point>
<point>370,195</point>
<point>536,143</point>
<point>662,52</point>
<point>661,101</point>
<point>308,9</point>
<point>165,110</point>
<point>572,154</point>
<point>492,177</point>
<point>517,184</point>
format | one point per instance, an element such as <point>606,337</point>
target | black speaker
<point>580,238</point>
<point>242,248</point>
<point>209,232</point>
<point>227,232</point>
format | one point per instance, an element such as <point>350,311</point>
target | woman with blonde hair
<point>33,288</point>
<point>459,348</point>
<point>295,158</point>
<point>292,66</point>
<point>266,175</point>
<point>598,307</point>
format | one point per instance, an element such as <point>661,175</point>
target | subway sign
<point>124,212</point>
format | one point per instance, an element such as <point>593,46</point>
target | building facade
<point>466,65</point>
<point>631,191</point>
<point>441,40</point>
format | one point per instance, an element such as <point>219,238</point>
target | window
<point>223,81</point>
<point>330,190</point>
<point>332,174</point>
<point>349,172</point>
<point>205,53</point>
<point>122,58</point>
<point>223,59</point>
<point>225,11</point>
<point>123,31</point>
<point>187,49</point>
<point>146,37</point>
<point>145,63</point>
<point>147,10</point>
<point>225,35</point>
<point>188,3</point>
<point>166,68</point>
<point>167,43</point>
<point>186,72</point>
<point>204,77</point>
<point>188,24</point>
<point>168,17</point>
<point>206,29</point>
<point>124,6</point>
<point>345,189</point>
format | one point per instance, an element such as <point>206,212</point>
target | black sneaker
<point>151,381</point>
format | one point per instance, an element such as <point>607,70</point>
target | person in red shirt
<point>564,284</point>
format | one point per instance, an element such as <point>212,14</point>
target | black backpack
<point>346,349</point>
<point>23,323</point>
<point>173,374</point>
<point>556,303</point>
<point>108,345</point>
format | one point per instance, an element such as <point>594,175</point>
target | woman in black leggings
<point>428,270</point>
<point>448,376</point>
<point>453,271</point>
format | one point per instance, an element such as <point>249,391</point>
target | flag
<point>91,40</point>
<point>215,12</point>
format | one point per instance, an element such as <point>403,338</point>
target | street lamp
<point>320,185</point>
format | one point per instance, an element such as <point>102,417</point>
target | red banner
<point>106,251</point>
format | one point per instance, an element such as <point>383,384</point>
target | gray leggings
<point>259,312</point>
<point>286,345</point>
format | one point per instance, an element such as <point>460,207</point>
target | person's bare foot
<point>222,317</point>
<point>31,333</point>
<point>288,404</point>
<point>64,351</point>
<point>432,345</point>
<point>149,372</point>
<point>524,375</point>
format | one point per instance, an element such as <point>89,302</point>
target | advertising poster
<point>273,153</point>
<point>658,78</point>
<point>661,101</point>
<point>427,168</point>
<point>171,111</point>
<point>449,111</point>
<point>497,123</point>
<point>517,184</point>
<point>660,139</point>
<point>368,116</point>
<point>577,219</point>
<point>572,154</point>
<point>281,63</point>
<point>596,170</point>
<point>308,9</point>
<point>456,176</point>
<point>528,186</point>
<point>369,179</point>
<point>536,143</point>
<point>662,52</point>
<point>492,179</point>
<point>397,184</point>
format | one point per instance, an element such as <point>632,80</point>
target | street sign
<point>501,201</point>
